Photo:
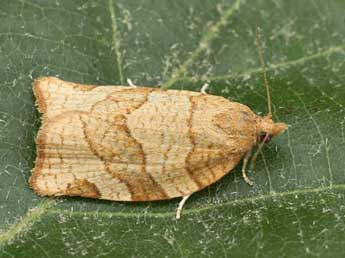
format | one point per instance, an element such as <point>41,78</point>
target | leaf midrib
<point>203,208</point>
<point>45,209</point>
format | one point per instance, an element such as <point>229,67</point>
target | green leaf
<point>295,209</point>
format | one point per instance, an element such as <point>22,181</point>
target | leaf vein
<point>273,67</point>
<point>116,40</point>
<point>205,40</point>
<point>203,208</point>
<point>26,221</point>
<point>323,139</point>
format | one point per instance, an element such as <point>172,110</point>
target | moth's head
<point>267,129</point>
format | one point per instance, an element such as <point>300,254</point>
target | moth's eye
<point>262,137</point>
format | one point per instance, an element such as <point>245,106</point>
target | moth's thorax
<point>265,125</point>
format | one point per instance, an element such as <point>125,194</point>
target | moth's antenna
<point>262,62</point>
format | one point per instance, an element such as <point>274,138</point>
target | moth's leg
<point>258,151</point>
<point>130,83</point>
<point>204,88</point>
<point>180,206</point>
<point>244,166</point>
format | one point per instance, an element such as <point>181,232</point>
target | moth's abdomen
<point>132,144</point>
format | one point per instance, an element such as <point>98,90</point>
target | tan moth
<point>140,144</point>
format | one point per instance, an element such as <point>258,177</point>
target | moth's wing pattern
<point>65,164</point>
<point>141,144</point>
<point>221,132</point>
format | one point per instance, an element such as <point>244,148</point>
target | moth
<point>137,143</point>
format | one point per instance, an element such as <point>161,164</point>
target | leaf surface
<point>296,207</point>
